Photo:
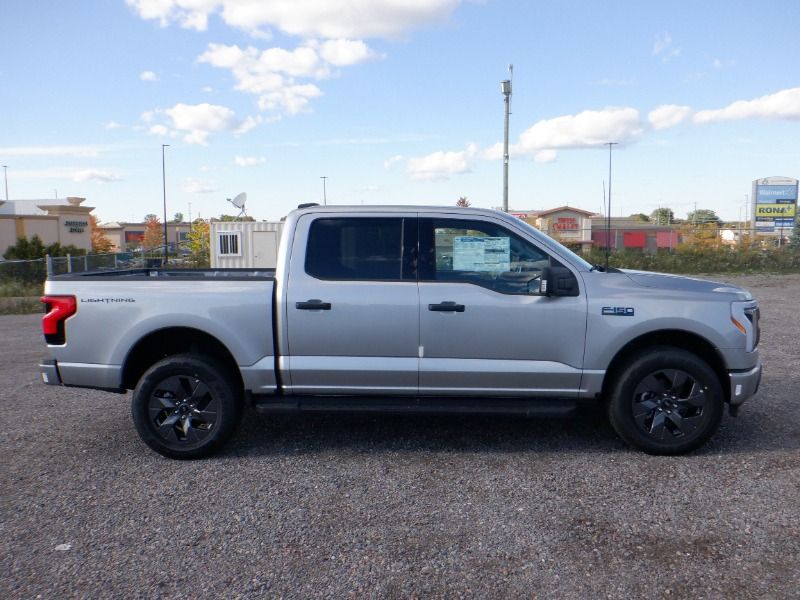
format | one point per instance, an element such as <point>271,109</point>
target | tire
<point>186,406</point>
<point>667,401</point>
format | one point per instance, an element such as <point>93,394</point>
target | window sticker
<point>472,253</point>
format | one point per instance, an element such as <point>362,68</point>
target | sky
<point>397,102</point>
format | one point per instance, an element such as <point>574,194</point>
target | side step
<point>525,407</point>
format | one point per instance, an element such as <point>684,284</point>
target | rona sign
<point>775,210</point>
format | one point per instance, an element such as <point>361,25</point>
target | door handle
<point>313,305</point>
<point>446,307</point>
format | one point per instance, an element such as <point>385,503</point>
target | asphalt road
<point>398,506</point>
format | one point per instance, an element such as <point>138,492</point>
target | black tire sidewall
<point>620,408</point>
<point>221,386</point>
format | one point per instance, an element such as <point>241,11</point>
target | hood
<point>666,281</point>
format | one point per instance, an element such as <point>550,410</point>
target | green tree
<point>662,216</point>
<point>640,217</point>
<point>702,216</point>
<point>198,243</point>
<point>228,218</point>
<point>178,218</point>
<point>33,249</point>
<point>794,239</point>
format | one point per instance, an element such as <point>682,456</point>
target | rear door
<point>482,332</point>
<point>352,305</point>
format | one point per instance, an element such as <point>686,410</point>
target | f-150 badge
<point>618,311</point>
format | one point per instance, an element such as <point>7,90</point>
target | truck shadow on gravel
<point>589,432</point>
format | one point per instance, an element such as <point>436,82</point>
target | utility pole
<point>164,183</point>
<point>5,172</point>
<point>505,88</point>
<point>324,190</point>
<point>608,217</point>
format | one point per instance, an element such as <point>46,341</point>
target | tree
<point>153,232</point>
<point>662,216</point>
<point>640,217</point>
<point>100,242</point>
<point>198,243</point>
<point>462,201</point>
<point>178,217</point>
<point>33,249</point>
<point>794,240</point>
<point>228,218</point>
<point>702,216</point>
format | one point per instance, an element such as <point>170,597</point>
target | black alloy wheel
<point>667,401</point>
<point>186,406</point>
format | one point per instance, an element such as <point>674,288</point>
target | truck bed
<point>184,274</point>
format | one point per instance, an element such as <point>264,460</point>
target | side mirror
<point>557,281</point>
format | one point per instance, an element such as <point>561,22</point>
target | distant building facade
<point>125,237</point>
<point>64,221</point>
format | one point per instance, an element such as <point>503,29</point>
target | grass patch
<point>18,289</point>
<point>20,306</point>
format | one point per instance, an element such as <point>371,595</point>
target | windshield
<point>575,258</point>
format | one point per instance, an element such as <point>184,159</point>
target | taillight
<point>57,310</point>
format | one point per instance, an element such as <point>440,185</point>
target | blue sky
<point>396,101</point>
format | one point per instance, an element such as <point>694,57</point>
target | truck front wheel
<point>186,406</point>
<point>667,401</point>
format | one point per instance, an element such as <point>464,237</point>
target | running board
<point>525,407</point>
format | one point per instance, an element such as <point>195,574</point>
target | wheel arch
<point>169,341</point>
<point>674,338</point>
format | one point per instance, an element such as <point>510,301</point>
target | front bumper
<point>744,384</point>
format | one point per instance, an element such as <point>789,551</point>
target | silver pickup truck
<point>409,309</point>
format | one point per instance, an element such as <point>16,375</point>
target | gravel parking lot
<point>333,506</point>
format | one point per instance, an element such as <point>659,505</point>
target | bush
<point>704,259</point>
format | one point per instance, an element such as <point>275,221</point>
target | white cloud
<point>668,115</point>
<point>292,98</point>
<point>248,124</point>
<point>159,130</point>
<point>112,125</point>
<point>273,74</point>
<point>196,122</point>
<point>784,104</point>
<point>249,161</point>
<point>441,165</point>
<point>95,175</point>
<point>394,159</point>
<point>79,151</point>
<point>590,128</point>
<point>148,76</point>
<point>341,53</point>
<point>193,186</point>
<point>662,46</point>
<point>545,156</point>
<point>331,19</point>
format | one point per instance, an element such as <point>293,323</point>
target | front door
<point>352,306</point>
<point>482,332</point>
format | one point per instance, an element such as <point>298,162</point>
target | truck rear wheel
<point>667,401</point>
<point>186,406</point>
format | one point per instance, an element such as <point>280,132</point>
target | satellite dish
<point>239,202</point>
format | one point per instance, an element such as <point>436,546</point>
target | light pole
<point>164,184</point>
<point>324,190</point>
<point>608,216</point>
<point>5,172</point>
<point>505,88</point>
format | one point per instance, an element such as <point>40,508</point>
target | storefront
<point>65,222</point>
